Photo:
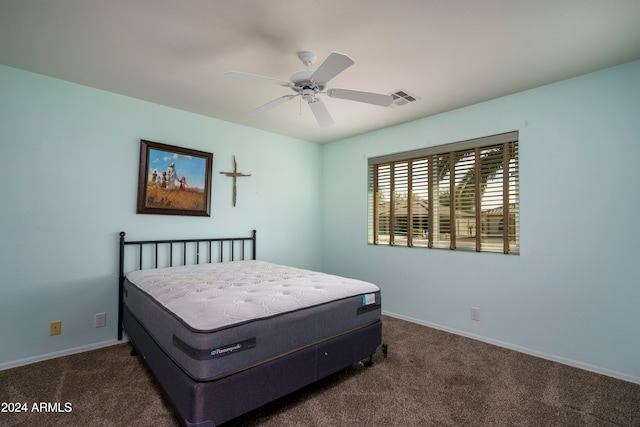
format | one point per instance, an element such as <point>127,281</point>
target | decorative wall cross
<point>234,174</point>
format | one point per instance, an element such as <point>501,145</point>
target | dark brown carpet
<point>431,378</point>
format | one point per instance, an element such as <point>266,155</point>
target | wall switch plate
<point>55,328</point>
<point>475,313</point>
<point>100,320</point>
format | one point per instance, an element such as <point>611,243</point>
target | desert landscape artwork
<point>174,180</point>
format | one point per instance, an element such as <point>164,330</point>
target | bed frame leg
<point>369,362</point>
<point>385,351</point>
<point>134,353</point>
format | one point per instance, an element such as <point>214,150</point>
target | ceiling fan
<point>309,83</point>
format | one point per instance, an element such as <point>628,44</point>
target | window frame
<point>478,158</point>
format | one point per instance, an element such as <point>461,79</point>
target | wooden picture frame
<point>174,180</point>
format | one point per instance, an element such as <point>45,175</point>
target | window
<point>461,196</point>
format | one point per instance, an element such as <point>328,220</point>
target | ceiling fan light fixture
<point>308,95</point>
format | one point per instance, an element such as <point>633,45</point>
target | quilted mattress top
<point>211,296</point>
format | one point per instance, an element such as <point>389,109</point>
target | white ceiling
<point>449,53</point>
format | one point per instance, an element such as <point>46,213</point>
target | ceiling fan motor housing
<point>302,80</point>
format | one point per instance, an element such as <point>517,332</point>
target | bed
<point>224,333</point>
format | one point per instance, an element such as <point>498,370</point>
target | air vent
<point>402,97</point>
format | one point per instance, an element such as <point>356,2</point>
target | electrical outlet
<point>55,328</point>
<point>475,313</point>
<point>100,320</point>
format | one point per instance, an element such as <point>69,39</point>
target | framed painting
<point>174,180</point>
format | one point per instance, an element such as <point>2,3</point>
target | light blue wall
<point>573,294</point>
<point>69,184</point>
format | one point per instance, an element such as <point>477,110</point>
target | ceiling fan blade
<point>356,95</point>
<point>331,67</point>
<point>263,79</point>
<point>321,113</point>
<point>269,105</point>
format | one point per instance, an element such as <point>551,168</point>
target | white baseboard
<point>54,355</point>
<point>520,349</point>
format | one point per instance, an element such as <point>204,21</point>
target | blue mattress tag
<point>368,299</point>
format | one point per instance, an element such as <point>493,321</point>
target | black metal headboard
<point>170,253</point>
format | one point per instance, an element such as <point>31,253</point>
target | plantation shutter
<point>462,196</point>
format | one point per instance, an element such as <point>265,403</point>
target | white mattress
<point>212,296</point>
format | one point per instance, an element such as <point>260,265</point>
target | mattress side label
<point>233,348</point>
<point>223,350</point>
